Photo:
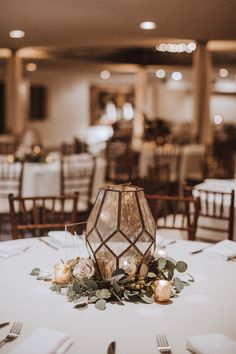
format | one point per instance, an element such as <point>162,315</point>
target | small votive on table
<point>62,273</point>
<point>162,290</point>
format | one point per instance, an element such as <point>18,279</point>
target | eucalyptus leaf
<point>178,284</point>
<point>143,270</point>
<point>40,278</point>
<point>161,263</point>
<point>151,275</point>
<point>191,278</point>
<point>82,300</point>
<point>172,260</point>
<point>91,284</point>
<point>35,272</point>
<point>147,299</point>
<point>81,307</point>
<point>181,266</point>
<point>76,287</point>
<point>116,287</point>
<point>92,299</point>
<point>118,271</point>
<point>101,304</point>
<point>105,294</point>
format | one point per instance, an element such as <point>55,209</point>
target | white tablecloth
<point>44,179</point>
<point>217,185</point>
<point>208,305</point>
<point>186,162</point>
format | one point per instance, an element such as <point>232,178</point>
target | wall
<point>67,108</point>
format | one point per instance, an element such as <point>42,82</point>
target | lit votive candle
<point>62,273</point>
<point>161,252</point>
<point>162,290</point>
<point>129,264</point>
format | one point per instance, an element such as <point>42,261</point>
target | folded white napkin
<point>223,249</point>
<point>64,239</point>
<point>213,343</point>
<point>9,250</point>
<point>45,341</point>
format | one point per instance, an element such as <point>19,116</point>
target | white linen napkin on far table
<point>45,341</point>
<point>224,249</point>
<point>213,343</point>
<point>8,250</point>
<point>64,239</point>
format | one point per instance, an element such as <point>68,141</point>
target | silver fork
<point>13,334</point>
<point>162,344</point>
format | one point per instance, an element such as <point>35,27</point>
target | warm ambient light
<point>218,119</point>
<point>31,67</point>
<point>105,75</point>
<point>177,47</point>
<point>147,25</point>
<point>17,34</point>
<point>177,76</point>
<point>223,72</point>
<point>160,73</point>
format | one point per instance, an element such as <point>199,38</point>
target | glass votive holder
<point>162,290</point>
<point>62,273</point>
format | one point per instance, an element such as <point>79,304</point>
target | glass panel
<point>94,212</point>
<point>130,262</point>
<point>107,221</point>
<point>144,242</point>
<point>94,240</point>
<point>147,215</point>
<point>130,218</point>
<point>106,262</point>
<point>118,243</point>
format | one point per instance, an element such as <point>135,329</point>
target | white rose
<point>84,269</point>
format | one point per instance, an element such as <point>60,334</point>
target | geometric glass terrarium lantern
<point>120,230</point>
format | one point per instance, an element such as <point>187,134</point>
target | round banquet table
<point>207,306</point>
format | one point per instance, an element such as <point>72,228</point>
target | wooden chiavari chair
<point>216,216</point>
<point>35,216</point>
<point>175,213</point>
<point>77,175</point>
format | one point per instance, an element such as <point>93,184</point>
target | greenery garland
<point>120,287</point>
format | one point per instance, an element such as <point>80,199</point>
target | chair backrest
<point>77,175</point>
<point>216,213</point>
<point>35,215</point>
<point>10,178</point>
<point>175,212</point>
<point>7,148</point>
<point>169,154</point>
<point>67,149</point>
<point>157,181</point>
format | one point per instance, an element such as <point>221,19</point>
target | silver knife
<point>4,324</point>
<point>47,243</point>
<point>111,348</point>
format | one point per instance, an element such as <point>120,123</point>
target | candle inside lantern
<point>106,266</point>
<point>129,264</point>
<point>162,290</point>
<point>62,273</point>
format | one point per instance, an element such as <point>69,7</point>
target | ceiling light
<point>31,67</point>
<point>177,47</point>
<point>223,72</point>
<point>177,76</point>
<point>17,34</point>
<point>160,73</point>
<point>147,25</point>
<point>105,75</point>
<point>218,119</point>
